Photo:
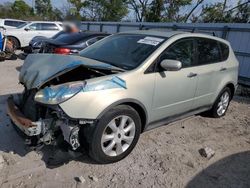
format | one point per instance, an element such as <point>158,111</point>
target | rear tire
<point>115,135</point>
<point>221,104</point>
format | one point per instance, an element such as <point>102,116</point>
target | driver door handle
<point>191,74</point>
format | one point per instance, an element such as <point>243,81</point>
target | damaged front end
<point>43,124</point>
<point>36,112</point>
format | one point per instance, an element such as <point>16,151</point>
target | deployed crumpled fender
<point>40,68</point>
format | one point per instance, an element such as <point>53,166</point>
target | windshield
<point>22,25</point>
<point>126,51</point>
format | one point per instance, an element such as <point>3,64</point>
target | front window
<point>126,51</point>
<point>22,25</point>
<point>182,51</point>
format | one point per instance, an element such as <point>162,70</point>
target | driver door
<point>30,32</point>
<point>175,90</point>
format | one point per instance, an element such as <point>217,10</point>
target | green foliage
<point>155,11</point>
<point>242,13</point>
<point>144,10</point>
<point>43,8</point>
<point>214,13</point>
<point>21,10</point>
<point>106,10</point>
<point>78,6</point>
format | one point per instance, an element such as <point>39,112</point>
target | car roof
<point>155,33</point>
<point>169,34</point>
<point>44,22</point>
<point>12,19</point>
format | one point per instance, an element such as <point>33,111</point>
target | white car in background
<point>11,23</point>
<point>22,35</point>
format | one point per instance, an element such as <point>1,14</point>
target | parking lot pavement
<point>164,157</point>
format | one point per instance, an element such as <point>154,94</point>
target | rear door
<point>209,67</point>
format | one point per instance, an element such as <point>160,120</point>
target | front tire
<point>221,104</point>
<point>15,43</point>
<point>115,135</point>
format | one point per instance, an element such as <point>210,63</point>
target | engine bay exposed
<point>80,73</point>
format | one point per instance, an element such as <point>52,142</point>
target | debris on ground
<point>207,152</point>
<point>93,178</point>
<point>80,179</point>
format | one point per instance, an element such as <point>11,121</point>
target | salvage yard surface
<point>164,157</point>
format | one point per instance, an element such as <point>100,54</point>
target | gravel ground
<point>164,157</point>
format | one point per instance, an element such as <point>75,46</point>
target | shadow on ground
<point>231,171</point>
<point>12,141</point>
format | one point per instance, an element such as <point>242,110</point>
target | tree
<point>21,10</point>
<point>198,2</point>
<point>155,11</point>
<point>105,10</point>
<point>5,10</point>
<point>56,15</point>
<point>172,9</point>
<point>140,8</point>
<point>43,8</point>
<point>78,5</point>
<point>242,12</point>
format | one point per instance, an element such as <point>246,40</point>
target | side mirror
<point>171,65</point>
<point>26,29</point>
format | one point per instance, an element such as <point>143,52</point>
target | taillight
<point>65,51</point>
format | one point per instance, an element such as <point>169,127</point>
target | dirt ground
<point>164,157</point>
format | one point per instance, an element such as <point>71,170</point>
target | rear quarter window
<point>9,23</point>
<point>208,51</point>
<point>13,23</point>
<point>224,51</point>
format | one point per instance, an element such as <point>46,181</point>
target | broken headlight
<point>58,94</point>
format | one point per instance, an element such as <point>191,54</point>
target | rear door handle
<point>191,74</point>
<point>223,69</point>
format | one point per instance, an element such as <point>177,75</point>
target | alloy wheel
<point>223,103</point>
<point>118,135</point>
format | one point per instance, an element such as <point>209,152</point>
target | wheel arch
<point>19,42</point>
<point>231,87</point>
<point>135,104</point>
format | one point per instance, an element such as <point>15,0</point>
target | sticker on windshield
<point>150,41</point>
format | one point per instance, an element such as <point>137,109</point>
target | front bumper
<point>27,126</point>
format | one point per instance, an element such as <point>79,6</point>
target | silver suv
<point>123,85</point>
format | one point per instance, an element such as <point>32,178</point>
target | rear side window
<point>224,51</point>
<point>13,23</point>
<point>8,23</point>
<point>208,51</point>
<point>48,26</point>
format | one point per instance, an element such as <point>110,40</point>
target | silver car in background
<point>122,86</point>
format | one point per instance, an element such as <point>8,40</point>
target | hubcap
<point>118,135</point>
<point>223,103</point>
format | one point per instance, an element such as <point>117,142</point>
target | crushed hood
<point>40,68</point>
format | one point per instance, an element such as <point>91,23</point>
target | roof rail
<point>194,30</point>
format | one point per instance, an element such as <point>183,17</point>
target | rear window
<point>70,38</point>
<point>224,51</point>
<point>208,51</point>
